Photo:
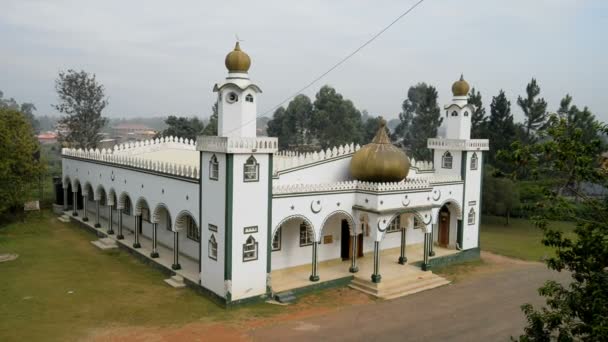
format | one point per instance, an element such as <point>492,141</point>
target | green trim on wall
<point>269,218</point>
<point>463,171</point>
<point>459,232</point>
<point>480,199</point>
<point>200,218</point>
<point>228,220</point>
<point>463,256</point>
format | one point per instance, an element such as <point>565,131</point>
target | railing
<point>409,184</point>
<point>237,144</point>
<point>107,156</point>
<point>475,144</point>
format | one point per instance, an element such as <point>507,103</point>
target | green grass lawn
<point>61,287</point>
<point>520,239</point>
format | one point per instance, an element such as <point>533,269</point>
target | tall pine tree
<point>420,119</point>
<point>535,111</point>
<point>500,126</point>
<point>479,119</point>
<point>335,121</point>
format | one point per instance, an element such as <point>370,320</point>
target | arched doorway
<point>443,238</point>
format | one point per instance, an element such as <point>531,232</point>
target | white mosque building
<point>239,220</point>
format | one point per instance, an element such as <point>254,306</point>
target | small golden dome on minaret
<point>460,87</point>
<point>380,161</point>
<point>237,60</point>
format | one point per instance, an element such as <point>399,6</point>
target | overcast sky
<point>163,57</point>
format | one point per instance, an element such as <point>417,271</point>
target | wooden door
<point>444,228</point>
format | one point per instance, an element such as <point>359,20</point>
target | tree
<point>278,127</point>
<point>183,127</point>
<point>25,108</point>
<point>578,119</point>
<point>479,119</point>
<point>335,120</point>
<point>370,128</point>
<point>81,100</point>
<point>211,128</point>
<point>578,310</point>
<point>535,111</point>
<point>19,161</point>
<point>420,119</point>
<point>293,125</point>
<point>501,126</point>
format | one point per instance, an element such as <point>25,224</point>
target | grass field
<point>61,287</point>
<point>521,239</point>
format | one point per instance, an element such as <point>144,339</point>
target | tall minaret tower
<point>236,192</point>
<point>237,97</point>
<point>460,158</point>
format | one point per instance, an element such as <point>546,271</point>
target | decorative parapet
<point>107,156</point>
<point>284,160</point>
<point>409,184</point>
<point>421,165</point>
<point>435,178</point>
<point>237,144</point>
<point>459,144</point>
<point>145,146</point>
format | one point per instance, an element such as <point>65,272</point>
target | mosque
<point>238,220</point>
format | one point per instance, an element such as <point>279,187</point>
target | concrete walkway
<point>482,308</point>
<point>189,267</point>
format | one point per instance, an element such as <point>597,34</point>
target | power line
<point>369,41</point>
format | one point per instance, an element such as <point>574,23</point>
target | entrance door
<point>444,227</point>
<point>345,241</point>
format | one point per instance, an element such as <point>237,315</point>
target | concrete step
<point>398,287</point>
<point>176,281</point>
<point>64,218</point>
<point>104,244</point>
<point>285,297</point>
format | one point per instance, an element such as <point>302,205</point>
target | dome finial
<point>460,87</point>
<point>237,60</point>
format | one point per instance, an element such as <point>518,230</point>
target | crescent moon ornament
<point>380,229</point>
<point>315,206</point>
<point>436,194</point>
<point>425,221</point>
<point>405,201</point>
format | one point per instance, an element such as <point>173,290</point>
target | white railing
<point>459,144</point>
<point>421,165</point>
<point>237,144</point>
<point>435,178</point>
<point>151,145</point>
<point>284,160</point>
<point>107,156</point>
<point>409,184</point>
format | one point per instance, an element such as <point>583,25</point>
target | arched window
<point>454,113</point>
<point>395,225</point>
<point>306,235</point>
<point>127,206</point>
<point>446,160</point>
<point>192,229</point>
<point>471,218</point>
<point>249,98</point>
<point>466,113</point>
<point>213,168</point>
<point>250,249</point>
<point>250,170</point>
<point>212,247</point>
<point>276,240</point>
<point>474,161</point>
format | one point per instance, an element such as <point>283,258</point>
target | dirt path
<point>483,304</point>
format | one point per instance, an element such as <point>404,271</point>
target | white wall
<point>335,170</point>
<point>472,198</point>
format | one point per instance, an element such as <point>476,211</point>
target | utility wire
<point>369,41</point>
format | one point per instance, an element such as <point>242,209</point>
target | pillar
<point>137,225</point>
<point>97,224</point>
<point>425,261</point>
<point>376,277</point>
<point>315,265</point>
<point>176,265</point>
<point>402,257</point>
<point>110,220</point>
<point>353,266</point>
<point>154,253</point>
<point>65,199</point>
<point>85,216</point>
<point>120,236</point>
<point>431,243</point>
<point>75,203</point>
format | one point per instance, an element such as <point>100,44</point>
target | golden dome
<point>380,161</point>
<point>237,60</point>
<point>460,87</point>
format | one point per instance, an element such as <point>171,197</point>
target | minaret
<point>237,97</point>
<point>461,158</point>
<point>236,192</point>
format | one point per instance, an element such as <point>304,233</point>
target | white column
<point>176,265</point>
<point>154,253</point>
<point>314,276</point>
<point>403,257</point>
<point>110,220</point>
<point>120,236</point>
<point>137,225</point>
<point>376,277</point>
<point>97,224</point>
